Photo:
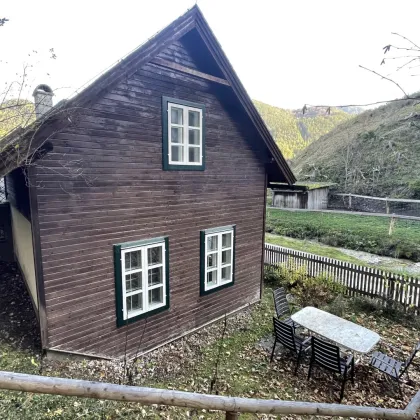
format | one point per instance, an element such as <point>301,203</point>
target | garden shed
<point>311,196</point>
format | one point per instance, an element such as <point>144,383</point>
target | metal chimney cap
<point>43,89</point>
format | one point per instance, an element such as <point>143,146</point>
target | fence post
<point>232,415</point>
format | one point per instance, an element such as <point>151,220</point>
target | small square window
<point>183,135</point>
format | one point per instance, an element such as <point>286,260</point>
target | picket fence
<point>357,279</point>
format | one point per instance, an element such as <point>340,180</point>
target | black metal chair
<point>282,306</point>
<point>393,367</point>
<point>328,356</point>
<point>285,335</point>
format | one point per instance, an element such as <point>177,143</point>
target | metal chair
<point>282,306</point>
<point>328,356</point>
<point>392,367</point>
<point>285,335</point>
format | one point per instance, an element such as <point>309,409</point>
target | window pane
<point>176,134</point>
<point>194,154</point>
<point>133,282</point>
<point>176,115</point>
<point>133,260</point>
<point>177,153</point>
<point>156,296</point>
<point>194,136</point>
<point>226,273</point>
<point>212,243</point>
<point>155,276</point>
<point>193,119</point>
<point>211,260</point>
<point>154,255</point>
<point>226,257</point>
<point>134,302</point>
<point>212,278</point>
<point>226,240</point>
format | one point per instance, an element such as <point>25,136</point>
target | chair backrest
<point>410,358</point>
<point>280,302</point>
<point>285,335</point>
<point>326,355</point>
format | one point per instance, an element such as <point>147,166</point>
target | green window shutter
<point>165,136</point>
<point>202,262</point>
<point>118,285</point>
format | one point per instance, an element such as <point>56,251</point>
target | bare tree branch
<point>386,78</point>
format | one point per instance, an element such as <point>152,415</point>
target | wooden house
<point>138,206</point>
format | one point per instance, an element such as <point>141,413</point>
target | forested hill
<point>294,131</point>
<point>376,153</point>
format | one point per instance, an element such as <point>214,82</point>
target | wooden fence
<point>357,279</point>
<point>231,406</point>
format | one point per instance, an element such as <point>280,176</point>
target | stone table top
<point>345,333</point>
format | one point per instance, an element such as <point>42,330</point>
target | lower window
<point>141,273</point>
<point>217,258</point>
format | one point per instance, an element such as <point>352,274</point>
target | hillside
<point>375,153</point>
<point>294,131</point>
<point>15,113</point>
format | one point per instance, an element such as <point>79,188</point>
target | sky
<point>286,52</point>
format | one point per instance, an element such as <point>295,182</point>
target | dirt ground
<point>18,323</point>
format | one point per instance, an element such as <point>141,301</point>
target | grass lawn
<point>311,247</point>
<point>364,233</point>
<point>189,364</point>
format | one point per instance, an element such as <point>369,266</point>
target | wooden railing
<point>357,279</point>
<point>232,406</point>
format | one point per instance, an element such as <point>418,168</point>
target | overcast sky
<point>286,52</point>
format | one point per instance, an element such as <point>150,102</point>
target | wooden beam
<point>175,66</point>
<point>232,405</point>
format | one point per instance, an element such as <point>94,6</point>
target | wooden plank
<point>149,396</point>
<point>187,70</point>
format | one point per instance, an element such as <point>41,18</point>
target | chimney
<point>43,100</point>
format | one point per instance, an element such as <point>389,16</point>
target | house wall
<point>22,241</point>
<point>124,195</point>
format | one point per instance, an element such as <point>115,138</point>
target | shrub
<point>317,291</point>
<point>307,290</point>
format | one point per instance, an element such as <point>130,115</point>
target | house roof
<point>18,145</point>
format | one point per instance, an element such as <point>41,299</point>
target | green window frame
<point>141,279</point>
<point>183,135</point>
<point>217,258</point>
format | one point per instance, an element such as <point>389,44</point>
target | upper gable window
<point>183,135</point>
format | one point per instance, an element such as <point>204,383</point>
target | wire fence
<point>2,191</point>
<point>365,203</point>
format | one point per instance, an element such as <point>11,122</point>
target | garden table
<point>342,332</point>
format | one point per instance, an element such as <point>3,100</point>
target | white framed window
<point>142,273</point>
<point>183,135</point>
<point>218,258</point>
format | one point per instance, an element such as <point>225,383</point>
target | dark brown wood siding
<point>124,195</point>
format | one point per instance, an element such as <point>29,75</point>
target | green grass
<point>363,233</point>
<point>311,247</point>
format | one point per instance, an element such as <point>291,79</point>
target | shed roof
<point>22,143</point>
<point>300,186</point>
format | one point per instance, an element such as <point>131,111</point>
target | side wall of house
<point>124,195</point>
<point>18,197</point>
